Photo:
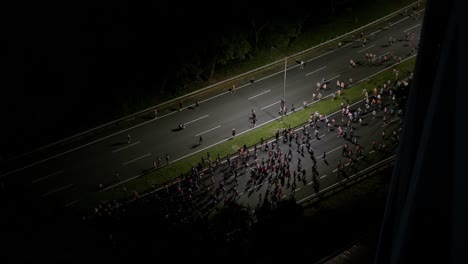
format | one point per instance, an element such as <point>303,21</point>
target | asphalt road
<point>72,174</point>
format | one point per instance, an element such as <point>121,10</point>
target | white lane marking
<point>412,27</point>
<point>316,139</point>
<point>207,131</point>
<point>136,159</point>
<point>310,183</point>
<point>334,78</point>
<point>196,120</point>
<point>297,189</point>
<point>316,70</point>
<point>70,203</point>
<point>330,150</point>
<point>51,192</point>
<point>259,94</point>
<point>366,48</point>
<point>127,180</point>
<point>389,122</point>
<point>384,54</point>
<point>138,142</point>
<point>372,151</point>
<point>270,105</point>
<point>354,175</point>
<point>50,175</point>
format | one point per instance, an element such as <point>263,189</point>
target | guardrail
<point>366,173</point>
<point>151,109</point>
<point>350,180</point>
<point>308,200</point>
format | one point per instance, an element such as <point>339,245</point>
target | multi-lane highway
<point>70,175</point>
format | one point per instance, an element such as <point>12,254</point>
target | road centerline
<point>270,105</point>
<point>56,190</point>
<point>259,94</point>
<point>366,48</point>
<point>411,27</point>
<point>138,142</point>
<point>207,131</point>
<point>50,175</point>
<point>196,119</point>
<point>136,159</point>
<point>316,70</point>
<point>334,78</point>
